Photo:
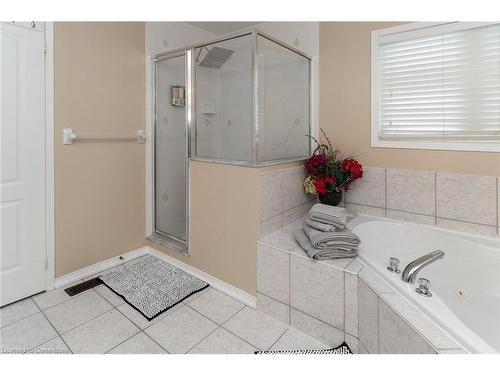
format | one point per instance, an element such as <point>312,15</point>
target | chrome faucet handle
<point>393,265</point>
<point>424,287</point>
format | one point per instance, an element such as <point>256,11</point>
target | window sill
<point>438,145</point>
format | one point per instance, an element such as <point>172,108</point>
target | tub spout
<point>413,268</point>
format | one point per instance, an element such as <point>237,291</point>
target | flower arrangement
<point>328,172</point>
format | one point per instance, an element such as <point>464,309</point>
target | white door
<point>22,163</point>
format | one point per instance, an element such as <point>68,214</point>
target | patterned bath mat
<point>342,349</point>
<point>152,286</point>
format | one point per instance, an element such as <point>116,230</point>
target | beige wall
<point>345,106</point>
<point>99,186</point>
<point>224,219</point>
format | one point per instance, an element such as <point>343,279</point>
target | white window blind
<point>440,85</point>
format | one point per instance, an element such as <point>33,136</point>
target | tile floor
<point>98,321</point>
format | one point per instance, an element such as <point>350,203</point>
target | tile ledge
<point>308,258</point>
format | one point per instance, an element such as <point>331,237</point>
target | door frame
<point>49,155</point>
<point>176,243</point>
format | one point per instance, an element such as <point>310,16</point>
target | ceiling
<point>220,28</point>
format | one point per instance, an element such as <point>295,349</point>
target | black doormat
<point>341,349</point>
<point>152,286</point>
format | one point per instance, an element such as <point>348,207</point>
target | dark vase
<point>332,199</point>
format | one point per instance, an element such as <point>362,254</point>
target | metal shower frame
<point>190,78</point>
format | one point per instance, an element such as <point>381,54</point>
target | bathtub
<point>465,283</point>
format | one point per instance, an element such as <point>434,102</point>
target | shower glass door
<point>171,149</point>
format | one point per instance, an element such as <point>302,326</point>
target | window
<point>437,86</point>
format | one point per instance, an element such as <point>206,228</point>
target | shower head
<point>216,57</point>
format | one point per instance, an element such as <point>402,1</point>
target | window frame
<point>417,29</point>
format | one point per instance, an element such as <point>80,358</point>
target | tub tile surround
<point>293,192</point>
<point>464,203</point>
<point>477,196</point>
<point>411,191</point>
<point>317,290</point>
<point>274,279</point>
<point>316,328</point>
<point>274,308</point>
<point>395,336</point>
<point>271,197</point>
<point>344,300</point>
<point>282,198</point>
<point>418,334</point>
<point>370,190</point>
<point>368,318</point>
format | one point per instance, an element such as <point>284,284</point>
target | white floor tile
<point>196,295</point>
<point>17,311</point>
<point>295,340</point>
<point>54,346</point>
<point>138,344</point>
<point>100,334</point>
<point>77,310</point>
<point>256,328</point>
<point>222,341</point>
<point>181,330</point>
<point>26,334</point>
<point>217,306</point>
<point>89,324</point>
<point>52,297</point>
<point>109,295</point>
<point>139,320</point>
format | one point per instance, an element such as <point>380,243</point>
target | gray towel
<point>332,252</point>
<point>330,215</point>
<point>342,239</point>
<point>320,226</point>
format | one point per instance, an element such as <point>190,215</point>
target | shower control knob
<point>424,287</point>
<point>393,265</point>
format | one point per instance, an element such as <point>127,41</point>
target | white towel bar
<point>69,137</point>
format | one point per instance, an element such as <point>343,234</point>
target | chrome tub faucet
<point>410,272</point>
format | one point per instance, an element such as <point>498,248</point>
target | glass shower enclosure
<point>242,99</point>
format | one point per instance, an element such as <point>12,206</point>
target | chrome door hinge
<point>45,47</point>
<point>46,263</point>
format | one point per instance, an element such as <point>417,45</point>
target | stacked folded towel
<point>325,236</point>
<point>328,215</point>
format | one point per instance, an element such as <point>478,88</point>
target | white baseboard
<point>82,273</point>
<point>216,283</point>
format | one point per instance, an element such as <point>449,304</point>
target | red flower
<point>330,180</point>
<point>352,167</point>
<point>314,163</point>
<point>320,186</point>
